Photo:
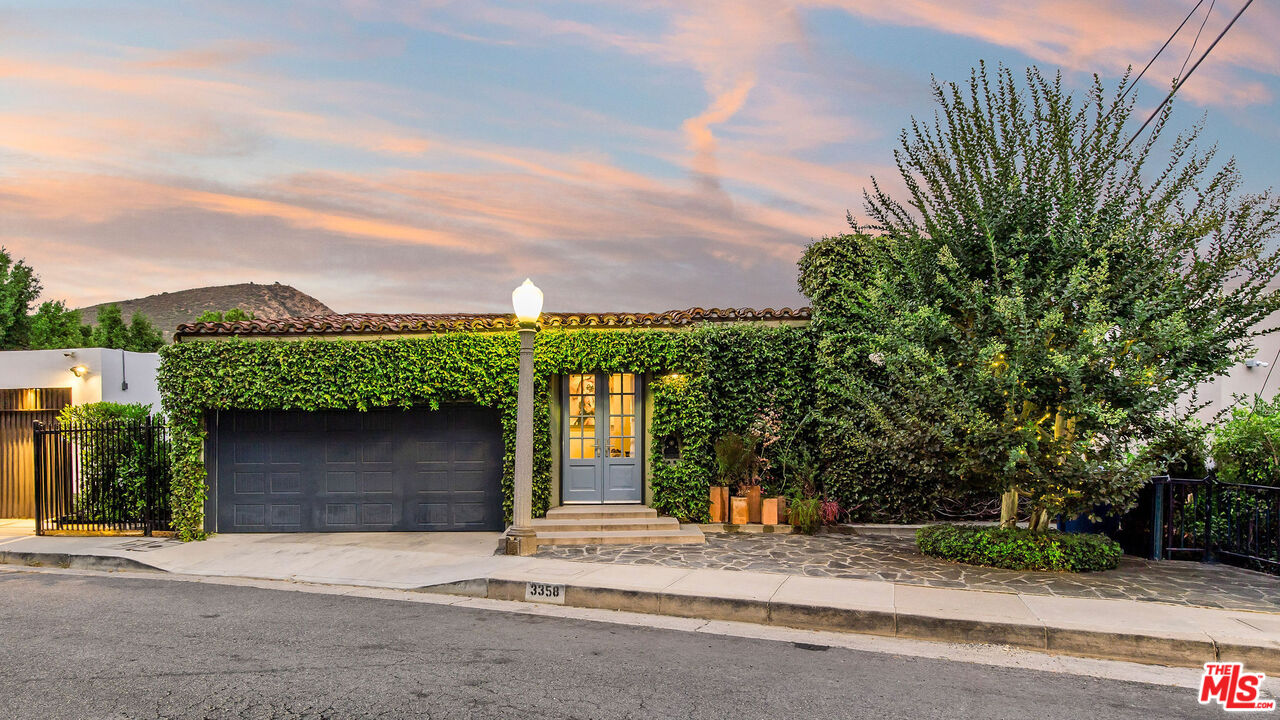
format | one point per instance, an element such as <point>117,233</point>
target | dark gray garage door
<point>351,471</point>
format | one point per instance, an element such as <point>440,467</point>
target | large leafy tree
<point>1042,292</point>
<point>54,326</point>
<point>139,335</point>
<point>19,287</point>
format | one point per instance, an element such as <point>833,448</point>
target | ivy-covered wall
<point>706,380</point>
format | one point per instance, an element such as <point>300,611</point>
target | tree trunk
<point>1039,520</point>
<point>1009,508</point>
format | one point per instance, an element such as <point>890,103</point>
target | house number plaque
<point>544,593</point>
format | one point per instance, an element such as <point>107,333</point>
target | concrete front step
<point>599,524</point>
<point>592,512</point>
<point>683,535</point>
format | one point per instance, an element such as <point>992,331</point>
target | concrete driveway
<point>397,560</point>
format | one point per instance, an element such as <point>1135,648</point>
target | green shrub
<point>116,461</point>
<point>1246,448</point>
<point>806,515</point>
<point>1179,447</point>
<point>1019,549</point>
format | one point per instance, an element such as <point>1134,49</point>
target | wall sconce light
<point>79,370</point>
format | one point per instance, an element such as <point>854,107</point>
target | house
<point>37,384</point>
<point>406,422</point>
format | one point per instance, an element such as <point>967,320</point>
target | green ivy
<point>1019,548</point>
<point>694,397</point>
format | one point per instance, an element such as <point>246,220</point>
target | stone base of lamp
<point>521,543</point>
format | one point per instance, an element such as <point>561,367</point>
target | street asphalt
<point>114,647</point>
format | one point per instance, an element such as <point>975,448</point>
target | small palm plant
<point>734,459</point>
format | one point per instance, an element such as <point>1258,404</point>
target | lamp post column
<point>522,540</point>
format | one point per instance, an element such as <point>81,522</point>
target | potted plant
<point>764,433</point>
<point>799,473</point>
<point>733,458</point>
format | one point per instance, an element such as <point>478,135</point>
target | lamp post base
<point>521,544</point>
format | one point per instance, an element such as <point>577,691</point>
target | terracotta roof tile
<point>364,323</point>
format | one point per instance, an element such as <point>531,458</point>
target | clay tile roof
<point>365,323</point>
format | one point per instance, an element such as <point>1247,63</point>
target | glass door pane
<point>582,416</point>
<point>622,415</point>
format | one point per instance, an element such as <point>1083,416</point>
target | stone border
<point>750,529</point>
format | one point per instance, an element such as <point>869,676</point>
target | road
<point>97,646</point>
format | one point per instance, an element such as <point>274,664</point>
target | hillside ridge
<point>167,310</point>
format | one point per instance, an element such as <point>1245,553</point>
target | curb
<point>78,562</point>
<point>1191,650</point>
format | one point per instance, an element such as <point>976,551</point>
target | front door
<point>601,439</point>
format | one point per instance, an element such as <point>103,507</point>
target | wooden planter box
<point>719,504</point>
<point>773,511</point>
<point>753,503</point>
<point>738,511</point>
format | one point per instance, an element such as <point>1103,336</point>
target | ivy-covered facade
<point>697,374</point>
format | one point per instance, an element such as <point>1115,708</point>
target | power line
<point>1150,62</point>
<point>1180,81</point>
<point>1196,41</point>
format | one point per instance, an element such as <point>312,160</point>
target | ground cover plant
<point>1019,548</point>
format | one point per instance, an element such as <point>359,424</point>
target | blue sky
<point>427,156</point>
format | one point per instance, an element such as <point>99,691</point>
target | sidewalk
<point>463,564</point>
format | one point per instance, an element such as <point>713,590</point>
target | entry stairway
<point>613,525</point>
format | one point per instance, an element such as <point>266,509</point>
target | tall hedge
<point>700,389</point>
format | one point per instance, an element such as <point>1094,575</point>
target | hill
<point>170,309</point>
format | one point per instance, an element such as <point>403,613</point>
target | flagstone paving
<point>894,559</point>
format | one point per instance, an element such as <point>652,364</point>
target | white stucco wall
<point>1243,380</point>
<point>107,369</point>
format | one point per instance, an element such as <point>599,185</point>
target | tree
<point>232,315</point>
<point>19,287</point>
<point>1042,295</point>
<point>143,336</point>
<point>54,327</point>
<point>137,336</point>
<point>111,330</point>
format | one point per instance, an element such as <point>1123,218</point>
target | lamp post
<point>521,538</point>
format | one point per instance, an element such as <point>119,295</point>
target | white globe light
<point>527,300</point>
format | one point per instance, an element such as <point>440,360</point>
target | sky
<point>427,156</point>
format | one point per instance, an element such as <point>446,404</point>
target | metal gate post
<point>149,480</point>
<point>1157,519</point>
<point>1210,483</point>
<point>38,467</point>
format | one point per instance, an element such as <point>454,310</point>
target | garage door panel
<point>286,483</point>
<point>378,483</point>
<point>341,448</point>
<point>336,483</point>
<point>464,480</point>
<point>284,517</point>
<point>432,452</point>
<point>353,471</point>
<point>251,452</point>
<point>254,516</point>
<point>250,483</point>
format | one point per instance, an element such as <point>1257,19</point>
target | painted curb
<point>1188,650</point>
<point>79,562</point>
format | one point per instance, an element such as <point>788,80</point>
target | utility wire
<point>1180,81</point>
<point>1150,62</point>
<point>1196,41</point>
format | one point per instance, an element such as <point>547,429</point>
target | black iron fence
<point>108,476</point>
<point>1211,520</point>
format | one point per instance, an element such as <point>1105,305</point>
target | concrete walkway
<point>464,564</point>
